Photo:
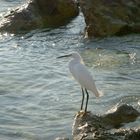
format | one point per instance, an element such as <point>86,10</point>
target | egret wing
<point>84,77</point>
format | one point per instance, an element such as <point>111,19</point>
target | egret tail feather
<point>98,93</point>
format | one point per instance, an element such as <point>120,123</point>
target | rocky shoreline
<point>87,126</point>
<point>107,127</point>
<point>103,17</point>
<point>111,17</point>
<point>39,14</point>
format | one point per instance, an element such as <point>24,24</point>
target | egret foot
<point>82,113</point>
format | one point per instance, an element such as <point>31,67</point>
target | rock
<point>39,14</point>
<point>129,134</point>
<point>111,17</point>
<point>93,127</point>
<point>123,114</point>
<point>133,135</point>
<point>57,12</point>
<point>23,18</point>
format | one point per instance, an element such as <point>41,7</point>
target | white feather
<point>82,75</point>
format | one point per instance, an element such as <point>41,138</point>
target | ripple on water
<point>38,96</point>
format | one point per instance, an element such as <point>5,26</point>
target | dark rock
<point>111,17</point>
<point>93,127</point>
<point>133,135</point>
<point>129,134</point>
<point>57,12</point>
<point>39,14</point>
<point>123,114</point>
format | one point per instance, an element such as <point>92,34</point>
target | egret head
<point>76,56</point>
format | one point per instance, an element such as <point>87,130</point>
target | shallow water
<point>38,96</point>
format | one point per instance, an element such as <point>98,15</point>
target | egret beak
<point>68,55</point>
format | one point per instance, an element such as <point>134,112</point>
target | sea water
<point>38,96</point>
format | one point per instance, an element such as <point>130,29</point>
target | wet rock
<point>133,135</point>
<point>128,134</point>
<point>123,114</point>
<point>39,14</point>
<point>23,18</point>
<point>111,17</point>
<point>93,127</point>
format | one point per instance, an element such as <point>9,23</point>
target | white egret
<point>82,76</point>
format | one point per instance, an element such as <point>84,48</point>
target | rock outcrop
<point>39,14</point>
<point>107,127</point>
<point>111,17</point>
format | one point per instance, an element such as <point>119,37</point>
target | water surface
<point>38,96</point>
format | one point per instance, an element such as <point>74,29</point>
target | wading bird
<point>82,76</point>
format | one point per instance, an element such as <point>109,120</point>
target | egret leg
<point>83,96</point>
<point>86,100</point>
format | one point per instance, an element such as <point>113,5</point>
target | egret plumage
<point>82,76</point>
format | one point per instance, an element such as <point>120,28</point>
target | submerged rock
<point>39,14</point>
<point>92,127</point>
<point>111,17</point>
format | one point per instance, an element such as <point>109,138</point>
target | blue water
<point>38,96</point>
